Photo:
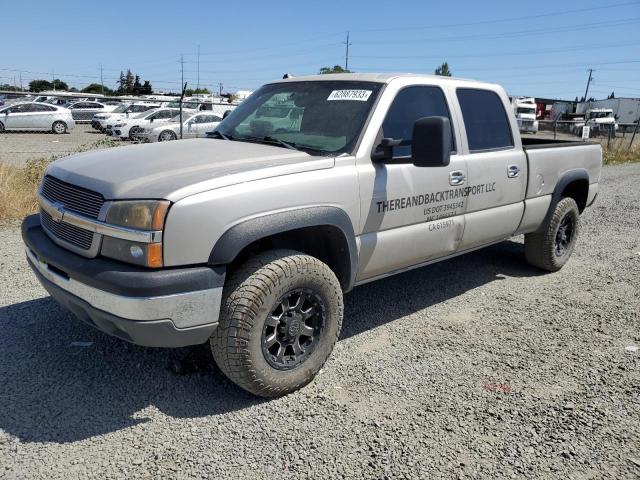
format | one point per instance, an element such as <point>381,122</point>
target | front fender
<point>239,236</point>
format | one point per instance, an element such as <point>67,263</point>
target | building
<point>625,110</point>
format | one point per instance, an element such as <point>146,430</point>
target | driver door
<point>411,214</point>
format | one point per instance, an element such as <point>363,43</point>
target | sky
<point>541,48</point>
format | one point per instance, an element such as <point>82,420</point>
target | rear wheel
<point>166,136</point>
<point>280,318</point>
<point>1,127</point>
<point>59,127</point>
<point>551,247</point>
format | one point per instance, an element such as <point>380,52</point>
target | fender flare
<point>567,178</point>
<point>239,236</point>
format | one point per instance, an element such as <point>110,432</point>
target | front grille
<point>69,233</point>
<point>72,198</point>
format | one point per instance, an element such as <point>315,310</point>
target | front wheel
<point>280,319</point>
<point>59,128</point>
<point>550,248</point>
<point>166,136</point>
<point>132,133</point>
<point>1,127</point>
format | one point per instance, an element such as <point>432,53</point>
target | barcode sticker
<point>358,95</point>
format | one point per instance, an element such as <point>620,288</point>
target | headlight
<point>140,215</point>
<point>143,214</point>
<point>119,125</point>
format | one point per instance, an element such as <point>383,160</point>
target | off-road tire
<point>59,127</point>
<point>540,247</point>
<point>250,294</point>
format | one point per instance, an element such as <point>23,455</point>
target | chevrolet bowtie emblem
<point>58,213</point>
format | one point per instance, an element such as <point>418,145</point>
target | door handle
<point>456,178</point>
<point>513,171</point>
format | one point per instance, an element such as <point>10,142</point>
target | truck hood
<point>174,170</point>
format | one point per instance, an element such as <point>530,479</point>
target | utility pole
<point>101,82</point>
<point>53,79</point>
<point>588,82</point>
<point>184,86</point>
<point>346,56</point>
<point>21,89</point>
<point>198,83</point>
<point>220,89</point>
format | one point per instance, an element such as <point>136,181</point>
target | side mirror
<point>431,142</point>
<point>151,120</point>
<point>384,150</point>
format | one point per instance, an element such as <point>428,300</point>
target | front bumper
<point>155,308</point>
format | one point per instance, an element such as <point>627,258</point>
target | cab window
<point>411,104</point>
<point>485,120</point>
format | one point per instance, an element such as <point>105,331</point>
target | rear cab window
<point>485,120</point>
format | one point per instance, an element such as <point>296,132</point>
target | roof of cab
<point>370,77</point>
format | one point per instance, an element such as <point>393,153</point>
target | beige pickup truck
<point>248,239</point>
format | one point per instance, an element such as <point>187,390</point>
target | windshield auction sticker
<point>358,95</point>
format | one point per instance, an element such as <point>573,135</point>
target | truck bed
<point>533,143</point>
<point>549,160</point>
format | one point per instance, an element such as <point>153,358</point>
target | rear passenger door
<point>497,168</point>
<point>410,214</point>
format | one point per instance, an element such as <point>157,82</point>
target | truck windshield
<point>601,114</point>
<point>319,116</point>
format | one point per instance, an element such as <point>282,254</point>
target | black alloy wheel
<point>292,329</point>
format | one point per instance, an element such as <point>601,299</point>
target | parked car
<point>248,240</point>
<point>194,125</point>
<point>83,111</point>
<point>127,128</point>
<point>35,116</point>
<point>102,121</point>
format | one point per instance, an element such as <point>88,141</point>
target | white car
<point>102,121</point>
<point>194,125</point>
<point>126,128</point>
<point>35,116</point>
<point>84,111</point>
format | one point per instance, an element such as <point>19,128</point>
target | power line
<point>501,20</point>
<point>526,52</point>
<point>495,36</point>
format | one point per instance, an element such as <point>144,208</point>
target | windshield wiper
<point>291,145</point>
<point>282,143</point>
<point>218,134</point>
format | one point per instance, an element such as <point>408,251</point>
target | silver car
<point>194,125</point>
<point>84,111</point>
<point>34,116</point>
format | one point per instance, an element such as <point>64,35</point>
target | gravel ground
<point>478,367</point>
<point>18,147</point>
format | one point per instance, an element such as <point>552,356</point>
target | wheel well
<point>579,191</point>
<point>325,242</point>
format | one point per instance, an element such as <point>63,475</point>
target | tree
<point>97,88</point>
<point>130,84</point>
<point>60,85</point>
<point>334,69</point>
<point>613,95</point>
<point>40,85</point>
<point>443,70</point>
<point>9,88</point>
<point>195,91</point>
<point>137,86</point>
<point>146,89</point>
